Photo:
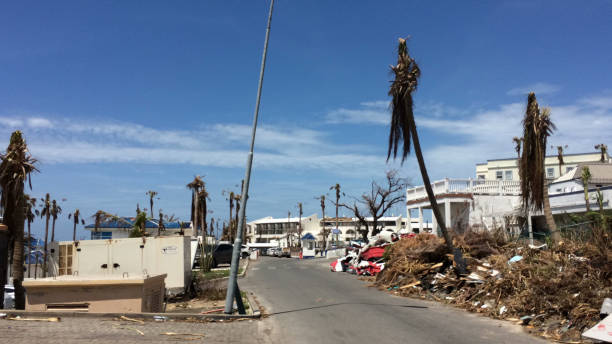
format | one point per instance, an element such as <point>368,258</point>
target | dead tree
<point>377,202</point>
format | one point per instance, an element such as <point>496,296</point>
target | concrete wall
<point>489,211</point>
<point>95,296</point>
<point>125,257</point>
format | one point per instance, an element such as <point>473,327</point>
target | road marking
<point>271,267</point>
<point>254,269</point>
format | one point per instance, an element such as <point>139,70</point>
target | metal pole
<point>232,282</point>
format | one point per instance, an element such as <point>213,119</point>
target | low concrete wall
<point>336,253</point>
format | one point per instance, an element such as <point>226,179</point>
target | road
<point>308,303</point>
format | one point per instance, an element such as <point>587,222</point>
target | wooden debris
<point>123,317</point>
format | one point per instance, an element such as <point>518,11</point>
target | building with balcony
<point>507,169</point>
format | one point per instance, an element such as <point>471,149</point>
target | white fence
<point>472,186</point>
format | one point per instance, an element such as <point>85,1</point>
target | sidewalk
<point>96,330</point>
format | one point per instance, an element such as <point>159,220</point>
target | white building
<point>282,230</point>
<point>268,228</point>
<point>567,192</point>
<point>507,169</point>
<point>492,200</point>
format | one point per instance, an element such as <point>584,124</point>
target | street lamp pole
<point>232,284</point>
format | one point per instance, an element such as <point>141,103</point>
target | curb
<point>139,316</point>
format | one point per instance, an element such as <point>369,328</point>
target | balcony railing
<point>471,186</point>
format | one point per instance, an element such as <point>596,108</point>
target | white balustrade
<point>473,186</point>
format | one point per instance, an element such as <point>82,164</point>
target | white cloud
<point>539,88</point>
<point>39,122</point>
<point>368,114</point>
<point>488,134</point>
<point>10,122</point>
<point>218,145</point>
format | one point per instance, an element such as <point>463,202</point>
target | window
<point>508,175</point>
<point>568,169</point>
<point>101,235</point>
<point>481,176</point>
<point>550,172</point>
<point>65,259</point>
<point>499,175</point>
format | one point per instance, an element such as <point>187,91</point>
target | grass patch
<point>209,275</point>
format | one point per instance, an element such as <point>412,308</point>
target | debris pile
<point>556,292</point>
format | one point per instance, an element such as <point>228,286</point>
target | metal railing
<point>472,186</point>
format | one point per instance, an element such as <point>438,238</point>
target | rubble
<point>556,290</point>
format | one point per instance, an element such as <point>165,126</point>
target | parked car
<point>9,297</point>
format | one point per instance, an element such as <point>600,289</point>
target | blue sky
<point>117,98</point>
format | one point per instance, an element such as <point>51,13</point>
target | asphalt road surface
<point>308,303</point>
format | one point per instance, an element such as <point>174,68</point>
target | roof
<point>548,156</point>
<point>601,173</point>
<point>308,236</point>
<point>270,219</point>
<point>128,222</point>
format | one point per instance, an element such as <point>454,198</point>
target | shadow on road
<point>346,303</point>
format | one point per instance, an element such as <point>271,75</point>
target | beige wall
<point>96,296</point>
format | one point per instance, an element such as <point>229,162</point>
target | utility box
<point>119,258</point>
<point>135,294</point>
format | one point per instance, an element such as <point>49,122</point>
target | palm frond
<point>406,73</point>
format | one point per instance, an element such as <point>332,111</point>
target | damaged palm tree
<point>537,127</point>
<point>15,169</point>
<point>76,219</point>
<point>30,213</point>
<point>403,130</point>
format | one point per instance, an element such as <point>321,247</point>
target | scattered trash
<point>601,331</point>
<point>130,328</point>
<point>540,247</point>
<point>410,285</point>
<point>526,319</point>
<point>502,310</point>
<point>187,336</point>
<point>606,308</point>
<point>160,318</point>
<point>2,315</point>
<point>515,259</point>
<point>577,258</point>
<point>123,317</point>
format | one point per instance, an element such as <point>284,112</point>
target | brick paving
<point>104,330</point>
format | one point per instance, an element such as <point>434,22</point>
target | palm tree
<point>604,150</point>
<point>537,127</point>
<point>195,185</point>
<point>55,211</point>
<point>586,179</point>
<point>160,223</point>
<point>202,202</point>
<point>231,209</point>
<point>15,169</point>
<point>76,218</point>
<point>300,224</point>
<point>151,195</point>
<point>322,198</point>
<point>31,213</point>
<point>560,157</point>
<point>46,213</point>
<point>337,188</point>
<point>517,146</point>
<point>403,129</point>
